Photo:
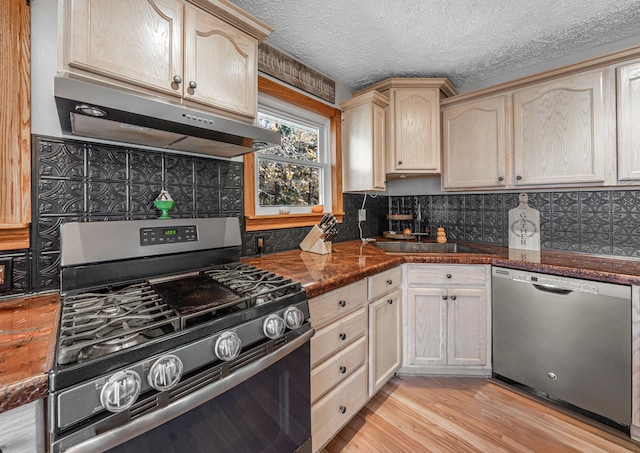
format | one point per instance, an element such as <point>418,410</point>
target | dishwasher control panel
<point>551,281</point>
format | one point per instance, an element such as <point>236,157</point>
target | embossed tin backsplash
<point>78,181</point>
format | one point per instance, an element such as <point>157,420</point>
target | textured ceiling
<point>360,42</point>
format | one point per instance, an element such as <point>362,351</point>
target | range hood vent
<point>98,111</point>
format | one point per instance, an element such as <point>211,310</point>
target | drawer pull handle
<point>343,336</point>
<point>453,297</point>
<point>343,409</point>
<point>444,297</point>
<point>389,282</point>
<point>448,275</point>
<point>389,301</point>
<point>343,369</point>
<point>342,303</point>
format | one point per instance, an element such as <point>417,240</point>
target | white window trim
<point>295,114</point>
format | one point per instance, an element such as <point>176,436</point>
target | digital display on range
<point>162,235</point>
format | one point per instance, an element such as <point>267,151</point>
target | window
<point>309,169</point>
<point>295,175</point>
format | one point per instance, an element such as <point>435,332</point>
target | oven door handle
<point>121,434</point>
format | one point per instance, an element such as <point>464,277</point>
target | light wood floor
<point>433,414</point>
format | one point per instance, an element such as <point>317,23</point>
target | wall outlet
<point>6,273</point>
<point>362,215</point>
<point>260,245</point>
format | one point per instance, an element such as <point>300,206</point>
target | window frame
<point>254,222</point>
<point>305,118</point>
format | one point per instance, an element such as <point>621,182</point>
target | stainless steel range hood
<point>98,111</point>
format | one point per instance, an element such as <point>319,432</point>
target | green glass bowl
<point>164,206</point>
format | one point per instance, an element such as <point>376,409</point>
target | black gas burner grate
<point>98,323</point>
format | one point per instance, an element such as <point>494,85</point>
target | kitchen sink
<point>426,247</point>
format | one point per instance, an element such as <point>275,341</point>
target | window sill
<point>274,222</point>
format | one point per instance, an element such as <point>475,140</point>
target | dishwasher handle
<point>551,289</point>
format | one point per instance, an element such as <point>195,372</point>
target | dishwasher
<point>565,339</point>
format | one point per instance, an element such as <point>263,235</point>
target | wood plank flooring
<point>438,414</point>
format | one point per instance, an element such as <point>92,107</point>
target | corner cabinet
<point>629,121</point>
<point>363,136</point>
<point>197,51</point>
<point>413,124</point>
<point>447,320</point>
<point>15,132</point>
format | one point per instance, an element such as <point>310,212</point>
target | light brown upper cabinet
<point>363,136</point>
<point>563,130</point>
<point>555,133</point>
<point>476,140</point>
<point>629,122</point>
<point>413,124</point>
<point>200,51</point>
<point>15,142</point>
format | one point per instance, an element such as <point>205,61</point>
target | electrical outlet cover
<point>362,215</point>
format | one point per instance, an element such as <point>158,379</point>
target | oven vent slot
<point>196,382</point>
<point>145,406</point>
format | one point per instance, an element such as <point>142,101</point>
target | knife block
<point>314,243</point>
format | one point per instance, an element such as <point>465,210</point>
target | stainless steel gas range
<point>168,344</point>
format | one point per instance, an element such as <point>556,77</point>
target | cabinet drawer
<point>333,305</point>
<point>332,372</point>
<point>333,411</point>
<point>384,282</point>
<point>21,429</point>
<point>447,275</point>
<point>336,336</point>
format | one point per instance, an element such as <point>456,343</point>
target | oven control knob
<point>165,373</point>
<point>273,326</point>
<point>120,391</point>
<point>227,346</point>
<point>293,317</point>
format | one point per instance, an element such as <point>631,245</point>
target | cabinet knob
<point>343,336</point>
<point>444,297</point>
<point>519,178</point>
<point>342,303</point>
<point>453,297</point>
<point>500,178</point>
<point>389,301</point>
<point>389,282</point>
<point>399,162</point>
<point>193,85</point>
<point>177,79</point>
<point>448,275</point>
<point>343,369</point>
<point>343,409</point>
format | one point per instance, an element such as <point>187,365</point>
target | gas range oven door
<point>263,406</point>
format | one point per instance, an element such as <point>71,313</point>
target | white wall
<point>44,65</point>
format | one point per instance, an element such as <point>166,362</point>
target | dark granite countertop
<point>28,325</point>
<point>351,261</point>
<point>28,328</point>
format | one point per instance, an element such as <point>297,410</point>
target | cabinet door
<point>414,132</point>
<point>426,329</point>
<point>220,64</point>
<point>467,327</point>
<point>15,141</point>
<point>563,130</point>
<point>629,122</point>
<point>384,340</point>
<point>475,140</point>
<point>145,49</point>
<point>363,161</point>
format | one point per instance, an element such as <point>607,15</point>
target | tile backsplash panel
<point>80,181</point>
<point>598,222</point>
